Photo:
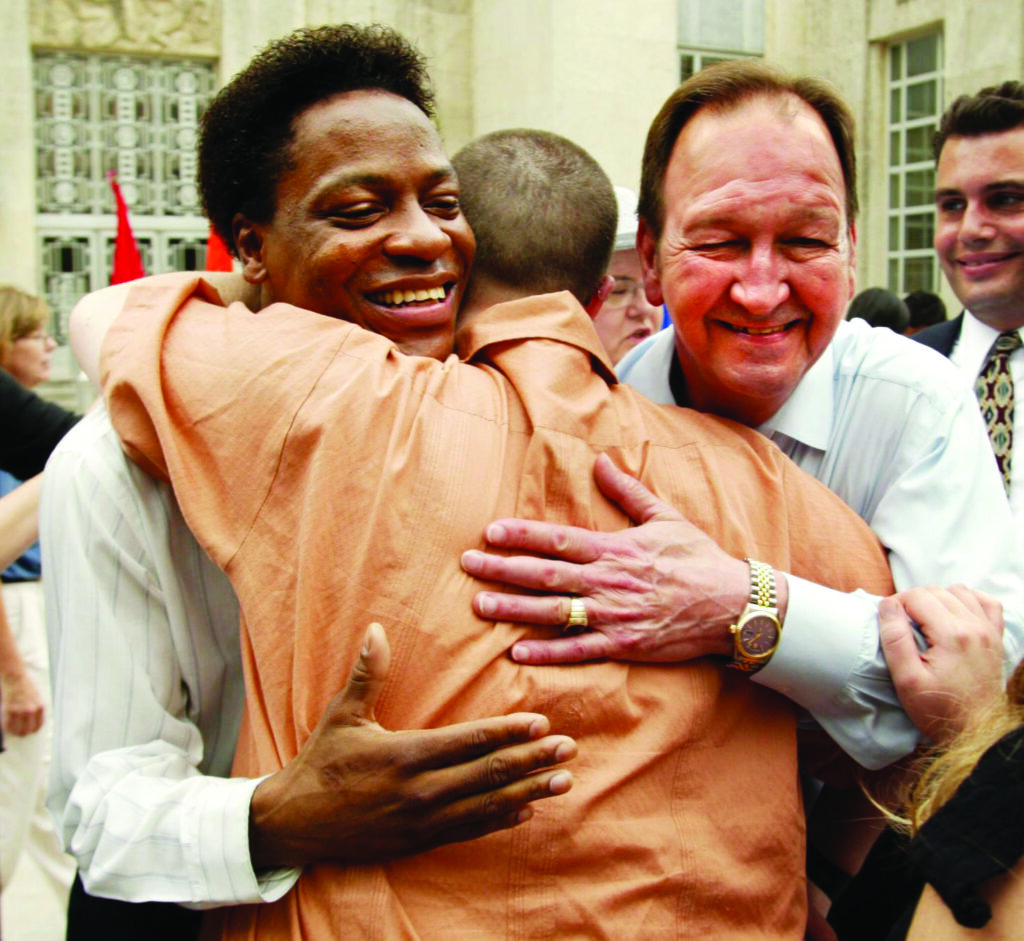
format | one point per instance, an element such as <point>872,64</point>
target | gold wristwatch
<point>756,633</point>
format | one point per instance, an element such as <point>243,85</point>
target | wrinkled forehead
<point>764,149</point>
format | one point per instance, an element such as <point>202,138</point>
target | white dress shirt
<point>892,428</point>
<point>969,354</point>
<point>147,709</point>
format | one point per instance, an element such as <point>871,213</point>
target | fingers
<point>524,571</point>
<point>639,504</point>
<point>898,644</point>
<point>511,771</point>
<point>359,697</point>
<point>955,617</point>
<point>581,647</point>
<point>990,609</point>
<point>569,543</point>
<point>509,807</point>
<point>937,611</point>
<point>522,609</point>
<point>466,742</point>
<point>490,791</point>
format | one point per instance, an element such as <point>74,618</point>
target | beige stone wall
<point>17,162</point>
<point>847,43</point>
<point>594,70</point>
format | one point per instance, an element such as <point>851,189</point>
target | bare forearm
<point>11,663</point>
<point>19,520</point>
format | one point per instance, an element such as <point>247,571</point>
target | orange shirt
<point>337,482</point>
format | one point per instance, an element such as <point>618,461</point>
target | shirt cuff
<point>216,842</point>
<point>829,661</point>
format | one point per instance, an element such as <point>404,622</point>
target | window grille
<point>138,117</point>
<point>915,105</point>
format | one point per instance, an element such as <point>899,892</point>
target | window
<point>915,96</point>
<point>138,117</point>
<point>711,32</point>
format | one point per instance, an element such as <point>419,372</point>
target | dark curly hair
<point>246,133</point>
<point>993,110</point>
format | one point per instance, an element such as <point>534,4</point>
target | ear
<point>250,241</point>
<point>600,296</point>
<point>647,247</point>
<point>853,258</point>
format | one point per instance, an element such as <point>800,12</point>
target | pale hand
<point>661,591</point>
<point>960,672</point>
<point>357,793</point>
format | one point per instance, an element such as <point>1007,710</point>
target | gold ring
<point>577,616</point>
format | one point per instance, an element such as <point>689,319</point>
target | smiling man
<point>747,233</point>
<point>366,224</point>
<point>979,238</point>
<point>752,248</point>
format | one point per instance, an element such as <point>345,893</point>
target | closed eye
<point>807,242</point>
<point>447,207</point>
<point>355,216</point>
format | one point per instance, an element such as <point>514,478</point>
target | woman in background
<point>25,351</point>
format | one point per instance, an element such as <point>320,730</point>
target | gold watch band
<point>756,633</point>
<point>762,584</point>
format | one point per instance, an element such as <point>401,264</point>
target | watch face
<point>759,634</point>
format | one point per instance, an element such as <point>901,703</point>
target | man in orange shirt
<point>349,500</point>
<point>149,685</point>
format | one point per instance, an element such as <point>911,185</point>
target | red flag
<point>218,258</point>
<point>127,261</point>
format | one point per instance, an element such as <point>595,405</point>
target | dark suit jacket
<point>941,336</point>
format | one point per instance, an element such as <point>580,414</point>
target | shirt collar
<point>972,346</point>
<point>556,317</point>
<point>806,416</point>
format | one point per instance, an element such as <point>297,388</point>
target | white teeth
<point>394,298</point>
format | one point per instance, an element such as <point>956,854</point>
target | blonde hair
<point>945,771</point>
<point>20,315</point>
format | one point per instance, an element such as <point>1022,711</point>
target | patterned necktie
<point>994,388</point>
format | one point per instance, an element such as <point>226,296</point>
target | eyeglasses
<point>37,335</point>
<point>624,293</point>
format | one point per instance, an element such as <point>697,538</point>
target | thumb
<point>368,674</point>
<point>639,504</point>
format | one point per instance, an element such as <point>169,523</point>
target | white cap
<point>625,235</point>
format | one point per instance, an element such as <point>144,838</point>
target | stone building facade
<point>88,86</point>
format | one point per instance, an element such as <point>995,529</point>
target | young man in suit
<point>979,238</point>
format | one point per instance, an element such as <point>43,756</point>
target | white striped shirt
<point>146,709</point>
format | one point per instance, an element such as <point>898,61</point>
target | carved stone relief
<point>157,27</point>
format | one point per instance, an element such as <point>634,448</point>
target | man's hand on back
<point>358,793</point>
<point>660,591</point>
